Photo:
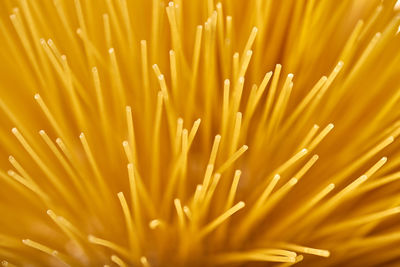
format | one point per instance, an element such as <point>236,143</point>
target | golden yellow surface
<point>199,133</point>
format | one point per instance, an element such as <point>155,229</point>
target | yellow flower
<point>199,133</point>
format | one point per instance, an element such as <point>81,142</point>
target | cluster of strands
<point>209,160</point>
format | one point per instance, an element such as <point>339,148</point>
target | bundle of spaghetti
<point>199,133</point>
